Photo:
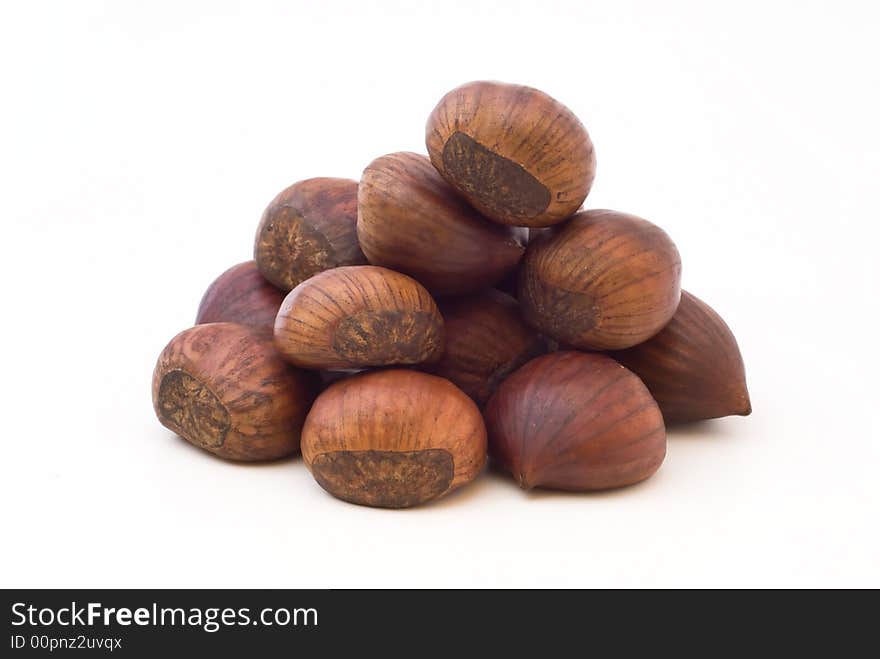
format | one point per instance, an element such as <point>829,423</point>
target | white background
<point>139,143</point>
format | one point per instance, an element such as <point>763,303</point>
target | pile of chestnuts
<point>398,330</point>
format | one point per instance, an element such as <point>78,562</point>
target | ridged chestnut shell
<point>224,388</point>
<point>393,439</point>
<point>411,220</point>
<point>602,281</point>
<point>517,155</point>
<point>486,340</point>
<point>359,316</point>
<point>575,421</point>
<point>240,295</point>
<point>693,367</point>
<point>308,228</point>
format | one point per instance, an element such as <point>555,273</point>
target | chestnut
<point>409,219</point>
<point>308,228</point>
<point>358,316</point>
<point>602,281</point>
<point>393,438</point>
<point>693,367</point>
<point>486,340</point>
<point>575,421</point>
<point>224,388</point>
<point>240,295</point>
<point>517,155</point>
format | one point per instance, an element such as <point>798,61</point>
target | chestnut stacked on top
<point>369,331</point>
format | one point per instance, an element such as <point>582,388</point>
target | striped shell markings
<point>693,367</point>
<point>517,155</point>
<point>575,421</point>
<point>602,281</point>
<point>359,316</point>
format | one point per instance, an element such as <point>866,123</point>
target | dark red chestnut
<point>486,340</point>
<point>693,367</point>
<point>240,295</point>
<point>575,421</point>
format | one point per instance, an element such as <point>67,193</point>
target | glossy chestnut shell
<point>517,155</point>
<point>602,281</point>
<point>240,295</point>
<point>393,439</point>
<point>486,340</point>
<point>575,421</point>
<point>359,316</point>
<point>693,367</point>
<point>224,388</point>
<point>411,220</point>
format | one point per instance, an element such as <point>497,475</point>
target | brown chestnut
<point>308,228</point>
<point>486,340</point>
<point>359,316</point>
<point>224,388</point>
<point>602,281</point>
<point>393,439</point>
<point>240,295</point>
<point>516,154</point>
<point>693,367</point>
<point>409,219</point>
<point>575,421</point>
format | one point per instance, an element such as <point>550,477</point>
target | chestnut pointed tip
<point>524,483</point>
<point>743,403</point>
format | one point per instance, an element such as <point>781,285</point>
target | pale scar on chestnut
<point>558,310</point>
<point>290,250</point>
<point>192,410</point>
<point>387,479</point>
<point>387,337</point>
<point>502,185</point>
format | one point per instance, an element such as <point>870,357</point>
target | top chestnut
<point>517,155</point>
